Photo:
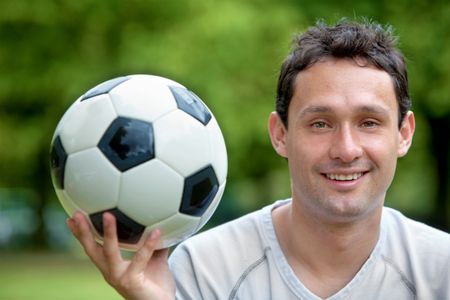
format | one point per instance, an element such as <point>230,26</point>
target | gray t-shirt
<point>242,259</point>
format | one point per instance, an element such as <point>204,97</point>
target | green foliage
<point>228,52</point>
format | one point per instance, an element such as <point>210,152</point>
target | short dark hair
<point>367,41</point>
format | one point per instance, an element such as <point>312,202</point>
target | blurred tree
<point>229,53</point>
<point>426,40</point>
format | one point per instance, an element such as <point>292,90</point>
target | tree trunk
<point>41,185</point>
<point>440,149</point>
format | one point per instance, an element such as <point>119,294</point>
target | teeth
<point>344,177</point>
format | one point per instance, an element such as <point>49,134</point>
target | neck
<point>325,255</point>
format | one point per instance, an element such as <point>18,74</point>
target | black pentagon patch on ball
<point>199,191</point>
<point>104,87</point>
<point>128,143</point>
<point>191,104</point>
<point>58,157</point>
<point>128,231</point>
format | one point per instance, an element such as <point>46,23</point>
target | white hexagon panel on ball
<point>91,181</point>
<point>64,118</point>
<point>150,192</point>
<point>85,123</point>
<point>143,97</point>
<point>182,142</point>
<point>175,229</point>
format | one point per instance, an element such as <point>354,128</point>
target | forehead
<point>343,84</point>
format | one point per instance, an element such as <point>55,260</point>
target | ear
<point>406,133</point>
<point>277,132</point>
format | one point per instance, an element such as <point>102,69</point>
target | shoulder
<point>230,239</point>
<point>413,233</point>
<point>420,253</point>
<point>210,263</point>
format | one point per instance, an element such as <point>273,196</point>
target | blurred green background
<point>229,53</point>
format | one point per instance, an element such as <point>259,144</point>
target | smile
<point>344,177</point>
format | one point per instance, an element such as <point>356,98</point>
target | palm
<point>156,282</point>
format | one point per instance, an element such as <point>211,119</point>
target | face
<point>342,140</point>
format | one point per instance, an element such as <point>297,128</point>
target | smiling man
<point>342,120</point>
<point>342,138</point>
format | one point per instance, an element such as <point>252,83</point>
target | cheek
<point>382,152</point>
<point>305,153</point>
<point>384,161</point>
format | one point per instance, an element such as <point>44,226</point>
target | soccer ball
<point>147,150</point>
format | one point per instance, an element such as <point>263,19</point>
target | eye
<point>369,124</point>
<point>319,124</point>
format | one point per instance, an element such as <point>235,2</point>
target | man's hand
<point>146,276</point>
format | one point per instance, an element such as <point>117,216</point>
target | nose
<point>345,145</point>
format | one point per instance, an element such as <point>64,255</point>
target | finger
<point>83,233</point>
<point>110,242</point>
<point>161,255</point>
<point>143,256</point>
<point>71,224</point>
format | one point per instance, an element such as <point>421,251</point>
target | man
<point>343,118</point>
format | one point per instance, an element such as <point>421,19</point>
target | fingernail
<point>155,234</point>
<point>105,219</point>
<point>75,220</point>
<point>69,223</point>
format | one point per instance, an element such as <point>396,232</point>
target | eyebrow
<point>317,109</point>
<point>314,110</point>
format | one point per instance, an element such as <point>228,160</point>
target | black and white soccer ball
<point>147,150</point>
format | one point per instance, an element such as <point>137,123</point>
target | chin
<point>344,212</point>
